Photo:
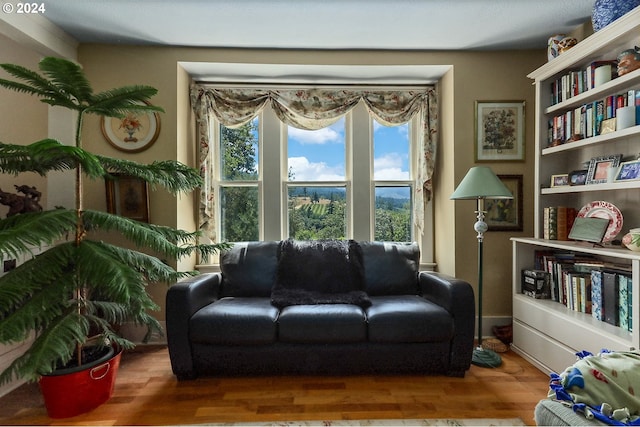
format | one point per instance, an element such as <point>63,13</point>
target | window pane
<point>391,152</point>
<point>239,213</point>
<point>393,214</point>
<point>317,155</point>
<point>317,213</point>
<point>239,152</point>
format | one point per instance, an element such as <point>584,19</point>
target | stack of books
<point>589,285</point>
<point>558,221</point>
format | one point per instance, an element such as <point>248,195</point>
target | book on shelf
<point>536,284</point>
<point>586,284</point>
<point>585,121</point>
<point>575,82</point>
<point>557,222</point>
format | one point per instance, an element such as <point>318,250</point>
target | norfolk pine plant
<point>79,289</point>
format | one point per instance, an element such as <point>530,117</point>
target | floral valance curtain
<point>313,109</point>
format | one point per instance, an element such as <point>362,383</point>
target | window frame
<point>268,196</point>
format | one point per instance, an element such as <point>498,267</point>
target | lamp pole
<point>482,356</point>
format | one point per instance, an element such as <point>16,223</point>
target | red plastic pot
<point>74,391</point>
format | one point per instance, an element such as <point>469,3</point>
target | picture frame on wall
<point>133,133</point>
<point>128,196</point>
<point>506,214</point>
<point>499,131</point>
<point>599,166</point>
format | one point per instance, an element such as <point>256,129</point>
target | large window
<point>352,179</point>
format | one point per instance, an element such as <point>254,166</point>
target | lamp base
<point>486,358</point>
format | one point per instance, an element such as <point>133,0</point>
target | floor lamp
<point>481,183</point>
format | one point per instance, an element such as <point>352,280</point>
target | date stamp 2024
<point>24,8</point>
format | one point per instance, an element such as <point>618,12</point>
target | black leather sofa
<point>320,307</point>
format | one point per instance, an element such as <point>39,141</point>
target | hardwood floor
<point>147,393</point>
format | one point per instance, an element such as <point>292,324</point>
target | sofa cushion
<point>390,268</point>
<point>324,323</point>
<point>233,320</point>
<point>319,271</point>
<point>407,318</point>
<point>249,269</point>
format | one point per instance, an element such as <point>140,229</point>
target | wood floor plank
<point>147,393</point>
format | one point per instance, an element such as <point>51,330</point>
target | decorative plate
<point>602,209</point>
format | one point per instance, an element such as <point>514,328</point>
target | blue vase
<point>607,11</point>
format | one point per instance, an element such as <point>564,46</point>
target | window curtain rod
<point>267,86</point>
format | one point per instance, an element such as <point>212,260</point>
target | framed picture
<point>128,196</point>
<point>599,166</point>
<point>506,214</point>
<point>499,131</point>
<point>629,171</point>
<point>133,133</point>
<point>560,180</point>
<point>578,177</point>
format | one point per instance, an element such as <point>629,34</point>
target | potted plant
<point>71,297</point>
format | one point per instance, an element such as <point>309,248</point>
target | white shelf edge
<point>583,247</point>
<point>578,318</point>
<point>599,139</point>
<point>609,186</point>
<point>625,28</point>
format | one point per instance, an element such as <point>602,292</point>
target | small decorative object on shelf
<point>629,171</point>
<point>559,180</point>
<point>553,50</point>
<point>578,177</point>
<point>566,43</point>
<point>632,240</point>
<point>599,166</point>
<point>628,60</point>
<point>607,11</point>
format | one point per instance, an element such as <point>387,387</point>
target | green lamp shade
<point>481,182</point>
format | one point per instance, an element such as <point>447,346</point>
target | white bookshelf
<point>545,332</point>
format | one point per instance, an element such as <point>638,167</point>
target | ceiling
<point>321,24</point>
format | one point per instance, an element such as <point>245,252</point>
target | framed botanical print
<point>128,196</point>
<point>506,214</point>
<point>499,131</point>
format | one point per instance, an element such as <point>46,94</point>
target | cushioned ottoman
<point>551,413</point>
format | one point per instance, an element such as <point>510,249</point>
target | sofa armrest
<point>456,296</point>
<point>184,299</point>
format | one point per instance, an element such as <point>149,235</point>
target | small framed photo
<point>128,196</point>
<point>578,177</point>
<point>499,131</point>
<point>136,132</point>
<point>560,180</point>
<point>599,166</point>
<point>628,171</point>
<point>506,214</point>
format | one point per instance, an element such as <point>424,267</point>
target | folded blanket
<point>319,272</point>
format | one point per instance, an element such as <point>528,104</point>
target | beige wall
<point>23,119</point>
<point>473,76</point>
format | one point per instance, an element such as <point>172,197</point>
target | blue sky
<point>320,155</point>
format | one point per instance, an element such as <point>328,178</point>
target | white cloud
<point>320,136</point>
<point>389,167</point>
<point>304,170</point>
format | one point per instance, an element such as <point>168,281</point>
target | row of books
<point>557,222</point>
<point>588,285</point>
<point>586,121</point>
<point>578,81</point>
